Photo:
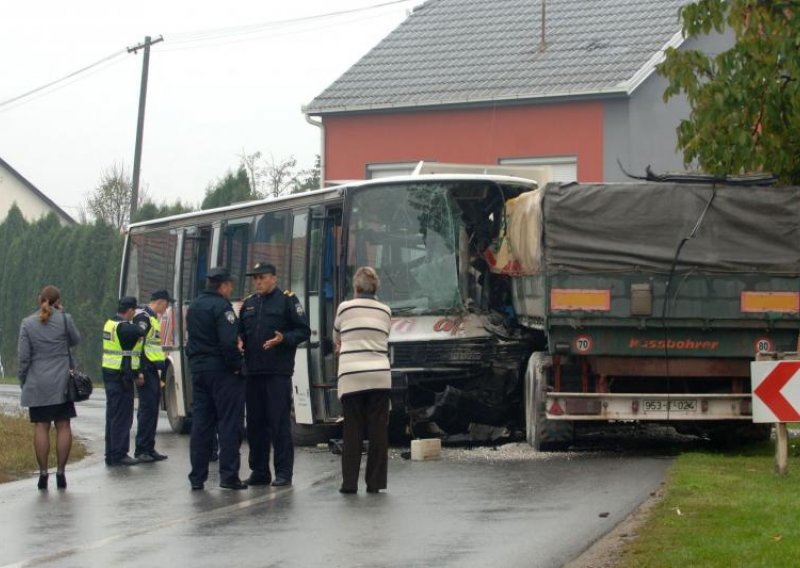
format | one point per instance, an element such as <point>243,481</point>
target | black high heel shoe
<point>42,481</point>
<point>61,481</point>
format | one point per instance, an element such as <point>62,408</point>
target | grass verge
<point>723,509</point>
<point>16,448</point>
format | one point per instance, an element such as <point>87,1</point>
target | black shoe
<point>42,481</point>
<point>144,458</point>
<point>373,490</point>
<point>198,486</point>
<point>235,484</point>
<point>125,460</point>
<point>281,482</point>
<point>158,456</point>
<point>61,481</point>
<point>258,480</point>
<point>348,491</point>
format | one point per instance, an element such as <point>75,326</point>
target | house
<point>566,83</point>
<point>14,188</point>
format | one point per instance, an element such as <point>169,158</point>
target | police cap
<point>161,295</point>
<point>263,268</point>
<point>127,303</point>
<point>219,274</point>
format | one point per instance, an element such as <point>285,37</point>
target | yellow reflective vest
<point>113,351</point>
<point>153,350</point>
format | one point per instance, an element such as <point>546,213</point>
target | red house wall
<point>475,136</point>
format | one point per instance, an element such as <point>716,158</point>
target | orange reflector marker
<point>584,300</point>
<point>778,302</point>
<point>555,409</point>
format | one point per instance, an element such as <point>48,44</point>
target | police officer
<point>272,324</point>
<point>122,348</point>
<point>218,387</point>
<point>153,364</point>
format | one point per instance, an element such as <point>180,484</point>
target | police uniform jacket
<point>259,318</point>
<point>142,319</point>
<point>212,328</point>
<point>129,335</point>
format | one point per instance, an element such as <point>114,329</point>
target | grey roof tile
<point>451,51</point>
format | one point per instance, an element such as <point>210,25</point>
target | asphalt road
<point>481,507</point>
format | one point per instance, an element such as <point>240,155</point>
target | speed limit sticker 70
<point>583,344</point>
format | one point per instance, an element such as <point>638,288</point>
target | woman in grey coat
<point>44,340</point>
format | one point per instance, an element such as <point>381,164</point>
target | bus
<point>458,358</point>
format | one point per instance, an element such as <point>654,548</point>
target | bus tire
<point>542,434</point>
<point>179,424</point>
<point>313,434</point>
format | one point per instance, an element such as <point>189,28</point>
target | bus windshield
<point>409,234</point>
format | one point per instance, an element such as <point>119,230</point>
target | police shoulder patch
<point>230,316</point>
<point>143,325</point>
<point>298,308</point>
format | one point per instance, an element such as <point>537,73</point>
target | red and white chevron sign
<point>776,391</point>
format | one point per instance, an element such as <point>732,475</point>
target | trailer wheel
<point>541,433</point>
<point>179,424</point>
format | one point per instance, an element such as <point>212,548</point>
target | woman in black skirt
<point>44,341</point>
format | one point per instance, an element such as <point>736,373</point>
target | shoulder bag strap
<point>66,333</point>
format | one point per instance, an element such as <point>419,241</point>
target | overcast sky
<point>210,96</point>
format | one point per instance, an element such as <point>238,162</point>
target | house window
<point>375,171</point>
<point>565,168</point>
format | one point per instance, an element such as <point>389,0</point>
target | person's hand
<point>139,380</point>
<point>278,339</point>
<point>240,345</point>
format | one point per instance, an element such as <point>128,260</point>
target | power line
<point>191,40</point>
<point>218,33</point>
<point>62,79</point>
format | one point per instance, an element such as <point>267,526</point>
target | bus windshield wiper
<point>402,309</point>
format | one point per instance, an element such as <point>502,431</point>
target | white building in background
<point>34,204</point>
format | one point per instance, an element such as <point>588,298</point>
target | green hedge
<point>83,261</point>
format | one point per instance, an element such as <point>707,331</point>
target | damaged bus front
<point>457,355</point>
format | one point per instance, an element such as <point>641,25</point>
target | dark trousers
<point>147,415</point>
<point>119,415</point>
<point>217,404</point>
<point>366,415</point>
<point>269,424</point>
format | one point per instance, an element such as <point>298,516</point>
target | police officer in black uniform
<point>153,367</point>
<point>218,386</point>
<point>272,324</point>
<point>121,358</point>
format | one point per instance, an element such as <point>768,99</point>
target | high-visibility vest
<point>153,350</point>
<point>113,351</point>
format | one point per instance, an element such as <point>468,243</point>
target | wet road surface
<point>479,507</point>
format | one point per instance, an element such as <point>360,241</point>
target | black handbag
<point>79,385</point>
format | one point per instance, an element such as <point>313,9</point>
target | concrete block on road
<point>428,449</point>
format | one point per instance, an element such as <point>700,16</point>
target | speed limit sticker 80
<point>764,345</point>
<point>583,343</point>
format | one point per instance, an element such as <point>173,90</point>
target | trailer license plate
<point>670,406</point>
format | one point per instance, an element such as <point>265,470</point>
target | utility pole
<point>137,155</point>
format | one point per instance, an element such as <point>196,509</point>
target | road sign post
<point>775,380</point>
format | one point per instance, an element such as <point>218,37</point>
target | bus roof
<point>321,193</point>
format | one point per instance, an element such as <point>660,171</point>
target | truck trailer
<point>654,298</point>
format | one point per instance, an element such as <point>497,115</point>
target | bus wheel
<point>179,424</point>
<point>542,434</point>
<point>313,434</point>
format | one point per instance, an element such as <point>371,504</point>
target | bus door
<point>323,298</point>
<point>195,257</point>
<point>304,411</point>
